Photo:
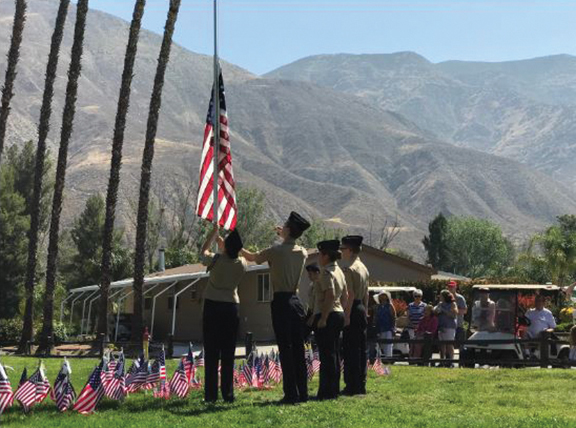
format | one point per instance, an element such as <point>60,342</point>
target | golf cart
<point>497,315</point>
<point>403,294</point>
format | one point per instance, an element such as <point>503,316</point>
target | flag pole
<point>216,117</point>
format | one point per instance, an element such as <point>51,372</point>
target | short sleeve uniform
<point>225,277</point>
<point>331,278</point>
<point>286,262</point>
<point>357,279</point>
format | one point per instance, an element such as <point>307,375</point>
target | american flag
<point>226,183</point>
<point>247,372</point>
<point>63,393</point>
<point>92,392</point>
<point>316,362</point>
<point>275,369</point>
<point>6,394</point>
<point>137,374</point>
<point>116,386</point>
<point>179,384</point>
<point>200,359</point>
<point>239,381</point>
<point>189,363</point>
<point>266,371</point>
<point>108,373</point>
<point>309,367</point>
<point>379,368</point>
<point>163,391</point>
<point>34,390</point>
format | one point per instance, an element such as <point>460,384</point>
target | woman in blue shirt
<point>385,320</point>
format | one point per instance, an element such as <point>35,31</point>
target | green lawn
<point>409,397</point>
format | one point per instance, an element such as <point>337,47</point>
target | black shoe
<point>303,399</point>
<point>347,392</point>
<point>287,401</point>
<point>229,399</point>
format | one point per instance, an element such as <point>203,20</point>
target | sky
<point>261,35</point>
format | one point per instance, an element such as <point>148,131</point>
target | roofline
<point>549,287</point>
<point>126,283</point>
<point>401,260</point>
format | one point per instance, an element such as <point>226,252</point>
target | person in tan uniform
<point>220,318</point>
<point>286,262</point>
<point>331,299</point>
<point>355,331</point>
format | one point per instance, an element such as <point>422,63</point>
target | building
<point>173,298</point>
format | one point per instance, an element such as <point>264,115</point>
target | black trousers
<point>220,328</point>
<point>328,339</point>
<point>288,321</point>
<point>355,351</point>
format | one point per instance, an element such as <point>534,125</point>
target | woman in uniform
<point>331,299</point>
<point>220,319</point>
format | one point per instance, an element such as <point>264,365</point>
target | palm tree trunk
<point>116,163</point>
<point>13,56</point>
<point>146,170</point>
<point>66,132</point>
<point>43,129</point>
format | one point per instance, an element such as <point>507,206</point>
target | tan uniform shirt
<point>225,276</point>
<point>286,263</point>
<point>357,279</point>
<point>331,278</point>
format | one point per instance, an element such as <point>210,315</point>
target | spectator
<point>484,311</point>
<point>572,355</point>
<point>385,320</point>
<point>415,314</point>
<point>462,310</point>
<point>427,325</point>
<point>447,312</point>
<point>541,319</point>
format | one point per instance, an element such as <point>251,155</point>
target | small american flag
<point>116,387</point>
<point>179,384</point>
<point>137,375</point>
<point>189,363</point>
<point>33,390</point>
<point>226,184</point>
<point>247,373</point>
<point>309,367</point>
<point>200,359</point>
<point>162,391</point>
<point>92,392</point>
<point>6,394</point>
<point>63,393</point>
<point>275,369</point>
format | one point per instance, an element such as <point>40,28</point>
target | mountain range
<point>341,138</point>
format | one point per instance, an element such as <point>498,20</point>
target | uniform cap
<point>352,241</point>
<point>296,221</point>
<point>330,245</point>
<point>313,267</point>
<point>233,242</point>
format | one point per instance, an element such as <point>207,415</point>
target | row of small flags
<point>108,379</point>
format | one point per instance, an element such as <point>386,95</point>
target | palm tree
<point>116,164</point>
<point>146,169</point>
<point>13,56</point>
<point>43,129</point>
<point>66,132</point>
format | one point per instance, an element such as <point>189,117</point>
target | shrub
<point>10,330</point>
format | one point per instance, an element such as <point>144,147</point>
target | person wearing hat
<point>220,318</point>
<point>356,323</point>
<point>331,299</point>
<point>462,310</point>
<point>286,262</point>
<point>385,320</point>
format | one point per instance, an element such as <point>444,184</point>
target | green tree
<point>74,70</point>
<point>10,77</point>
<point>84,267</point>
<point>435,243</point>
<point>319,231</point>
<point>37,220</point>
<point>116,163</point>
<point>477,247</point>
<point>567,223</point>
<point>146,169</point>
<point>254,225</point>
<point>14,226</point>
<point>552,255</point>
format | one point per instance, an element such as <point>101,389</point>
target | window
<point>148,303</point>
<point>264,287</point>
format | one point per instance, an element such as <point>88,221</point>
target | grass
<point>409,397</point>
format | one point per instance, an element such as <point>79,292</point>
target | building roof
<point>448,276</point>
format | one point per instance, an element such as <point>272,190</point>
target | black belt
<point>284,295</point>
<point>357,302</point>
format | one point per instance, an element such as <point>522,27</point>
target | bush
<point>10,330</point>
<point>564,327</point>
